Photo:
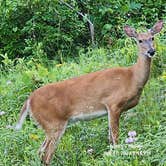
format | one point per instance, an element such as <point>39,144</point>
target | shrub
<point>50,29</point>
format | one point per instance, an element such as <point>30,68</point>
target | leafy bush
<point>31,27</point>
<point>48,28</point>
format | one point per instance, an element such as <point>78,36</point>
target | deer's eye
<point>140,41</point>
<point>152,38</point>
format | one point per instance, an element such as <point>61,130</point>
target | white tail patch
<point>23,115</point>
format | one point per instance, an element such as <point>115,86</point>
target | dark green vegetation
<point>44,41</point>
<point>40,29</point>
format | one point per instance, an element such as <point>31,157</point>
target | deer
<point>106,92</point>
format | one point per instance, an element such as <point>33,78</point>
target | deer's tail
<point>24,111</point>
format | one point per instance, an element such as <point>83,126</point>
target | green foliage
<point>48,28</point>
<point>84,143</point>
<point>30,27</point>
<point>109,17</point>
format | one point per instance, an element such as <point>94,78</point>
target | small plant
<point>131,138</point>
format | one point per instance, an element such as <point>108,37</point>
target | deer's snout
<point>151,52</point>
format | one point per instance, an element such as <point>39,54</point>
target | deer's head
<point>145,41</point>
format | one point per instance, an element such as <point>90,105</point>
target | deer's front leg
<point>113,123</point>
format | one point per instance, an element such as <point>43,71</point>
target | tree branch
<point>91,26</point>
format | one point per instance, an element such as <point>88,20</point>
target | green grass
<point>148,118</point>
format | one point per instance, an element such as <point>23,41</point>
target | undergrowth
<point>85,143</point>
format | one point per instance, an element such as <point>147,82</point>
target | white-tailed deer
<point>109,91</point>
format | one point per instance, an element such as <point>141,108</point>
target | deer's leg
<point>52,138</point>
<point>113,123</point>
<point>42,147</point>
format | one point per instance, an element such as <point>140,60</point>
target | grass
<point>85,143</point>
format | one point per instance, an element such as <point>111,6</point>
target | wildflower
<point>2,113</point>
<point>59,65</point>
<point>132,137</point>
<point>34,137</point>
<point>132,133</point>
<point>90,151</point>
<point>8,82</point>
<point>163,76</point>
<point>130,140</point>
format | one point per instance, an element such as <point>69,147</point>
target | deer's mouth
<point>150,56</point>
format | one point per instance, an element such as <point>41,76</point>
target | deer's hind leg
<point>53,134</point>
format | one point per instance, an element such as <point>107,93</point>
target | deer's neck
<point>142,70</point>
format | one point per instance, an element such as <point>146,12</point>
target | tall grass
<point>85,143</point>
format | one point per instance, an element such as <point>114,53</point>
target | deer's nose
<point>151,52</point>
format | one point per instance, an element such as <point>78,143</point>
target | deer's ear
<point>157,27</point>
<point>130,31</point>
